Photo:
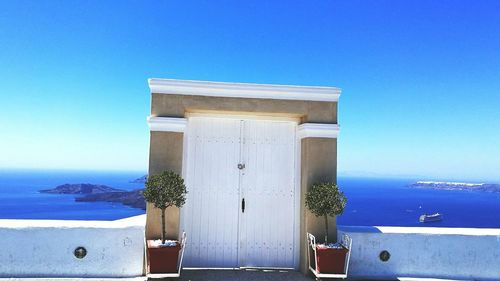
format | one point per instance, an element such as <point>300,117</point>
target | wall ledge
<point>318,130</point>
<point>166,124</point>
<point>421,230</point>
<point>243,90</point>
<point>135,221</point>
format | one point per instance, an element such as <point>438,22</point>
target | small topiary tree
<point>165,190</point>
<point>325,199</point>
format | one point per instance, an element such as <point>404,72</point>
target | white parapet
<point>45,248</point>
<point>424,252</point>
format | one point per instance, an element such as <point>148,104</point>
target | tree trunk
<point>326,229</point>
<point>163,230</point>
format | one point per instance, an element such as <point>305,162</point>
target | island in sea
<point>484,187</point>
<point>80,188</point>
<point>142,179</point>
<point>134,198</point>
<point>95,192</point>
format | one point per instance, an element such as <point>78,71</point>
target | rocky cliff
<point>134,198</point>
<point>484,187</point>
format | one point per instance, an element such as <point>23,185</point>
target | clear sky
<point>420,79</point>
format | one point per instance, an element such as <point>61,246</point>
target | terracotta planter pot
<point>331,260</point>
<point>162,259</point>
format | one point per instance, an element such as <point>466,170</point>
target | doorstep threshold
<point>284,269</point>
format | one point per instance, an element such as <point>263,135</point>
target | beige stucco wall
<point>318,164</point>
<point>308,111</point>
<point>165,153</point>
<point>318,155</point>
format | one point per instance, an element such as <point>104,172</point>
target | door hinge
<point>243,205</point>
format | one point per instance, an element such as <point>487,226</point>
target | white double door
<point>241,203</point>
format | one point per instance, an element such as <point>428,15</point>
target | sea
<point>20,197</point>
<point>371,201</point>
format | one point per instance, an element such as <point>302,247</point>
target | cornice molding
<point>317,130</point>
<point>166,124</point>
<point>243,90</point>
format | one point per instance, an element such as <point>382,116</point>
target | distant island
<point>80,188</point>
<point>142,179</point>
<point>484,187</point>
<point>134,198</point>
<point>96,192</point>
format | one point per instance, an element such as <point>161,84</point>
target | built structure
<point>248,153</point>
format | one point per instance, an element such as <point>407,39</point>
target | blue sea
<point>371,201</point>
<point>391,202</point>
<point>20,199</point>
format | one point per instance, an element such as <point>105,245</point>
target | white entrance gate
<point>241,203</point>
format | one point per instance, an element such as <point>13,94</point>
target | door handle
<point>243,205</point>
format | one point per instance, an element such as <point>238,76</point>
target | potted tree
<point>164,190</point>
<point>324,200</point>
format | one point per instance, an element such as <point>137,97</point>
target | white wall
<point>455,253</point>
<point>44,248</point>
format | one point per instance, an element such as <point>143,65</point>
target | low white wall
<point>44,248</point>
<point>453,253</point>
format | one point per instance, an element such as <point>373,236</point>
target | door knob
<point>241,166</point>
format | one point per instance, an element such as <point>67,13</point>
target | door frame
<point>297,164</point>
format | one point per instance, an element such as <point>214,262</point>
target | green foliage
<point>165,190</point>
<point>325,199</point>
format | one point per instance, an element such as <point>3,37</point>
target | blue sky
<point>420,79</point>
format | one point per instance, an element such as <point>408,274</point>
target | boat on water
<point>430,218</point>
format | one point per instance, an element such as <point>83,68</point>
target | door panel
<point>219,233</point>
<point>210,215</point>
<point>268,185</point>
